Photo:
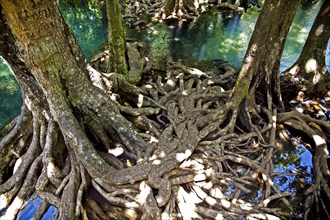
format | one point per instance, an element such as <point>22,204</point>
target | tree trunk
<point>260,70</point>
<point>52,72</point>
<point>311,64</point>
<point>116,38</point>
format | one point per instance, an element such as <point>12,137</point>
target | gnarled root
<point>316,130</point>
<point>173,148</point>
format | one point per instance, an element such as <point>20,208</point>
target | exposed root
<point>173,10</point>
<point>13,145</point>
<point>316,130</point>
<point>186,153</point>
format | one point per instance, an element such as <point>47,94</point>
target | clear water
<point>10,96</point>
<point>88,25</point>
<point>293,159</point>
<point>213,36</point>
<point>29,211</point>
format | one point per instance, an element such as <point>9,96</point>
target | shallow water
<point>214,36</point>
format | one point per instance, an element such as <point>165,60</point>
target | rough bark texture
<point>262,59</point>
<point>58,70</point>
<point>311,62</point>
<point>116,38</point>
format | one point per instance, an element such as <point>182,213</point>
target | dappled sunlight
<point>51,169</point>
<point>245,205</point>
<point>193,164</point>
<point>262,217</point>
<point>311,66</point>
<point>294,70</point>
<point>156,162</point>
<point>140,101</point>
<point>216,192</point>
<point>187,203</point>
<point>182,156</point>
<point>178,144</point>
<point>184,92</point>
<point>319,140</point>
<point>13,209</point>
<point>17,164</point>
<point>204,196</point>
<point>219,217</point>
<point>131,214</point>
<point>320,30</point>
<point>225,203</point>
<point>145,190</point>
<point>116,151</point>
<point>3,201</point>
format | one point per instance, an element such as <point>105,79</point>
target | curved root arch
<point>316,130</point>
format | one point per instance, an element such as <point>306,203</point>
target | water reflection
<point>295,173</point>
<point>31,208</point>
<point>213,36</point>
<point>298,33</point>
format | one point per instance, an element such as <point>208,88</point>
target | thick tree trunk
<point>124,58</point>
<point>51,68</point>
<point>311,63</point>
<point>260,70</point>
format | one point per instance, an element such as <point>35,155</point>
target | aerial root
<point>16,185</point>
<point>13,145</point>
<point>188,107</point>
<point>42,209</point>
<point>82,188</point>
<point>23,192</point>
<point>94,210</point>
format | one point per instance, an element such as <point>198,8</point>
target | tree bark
<point>116,38</point>
<point>52,67</point>
<point>260,70</point>
<point>311,63</point>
